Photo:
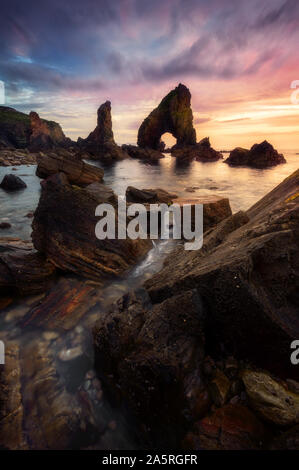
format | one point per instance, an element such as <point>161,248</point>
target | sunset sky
<point>63,58</point>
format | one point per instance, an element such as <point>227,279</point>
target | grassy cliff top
<point>9,115</point>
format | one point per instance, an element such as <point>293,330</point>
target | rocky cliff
<point>19,130</point>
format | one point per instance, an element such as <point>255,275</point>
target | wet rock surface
<point>22,269</point>
<point>261,155</point>
<point>150,353</point>
<point>232,427</point>
<point>63,305</point>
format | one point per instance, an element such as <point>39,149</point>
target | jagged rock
<point>64,231</point>
<point>103,133</point>
<point>232,427</point>
<point>100,142</point>
<point>261,155</point>
<point>174,115</point>
<point>77,171</point>
<point>205,153</point>
<point>149,196</point>
<point>45,134</point>
<point>270,399</point>
<point>22,269</point>
<point>146,154</point>
<point>248,278</point>
<point>18,130</point>
<point>12,183</point>
<point>151,355</point>
<point>202,151</point>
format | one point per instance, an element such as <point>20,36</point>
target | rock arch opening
<point>168,139</point>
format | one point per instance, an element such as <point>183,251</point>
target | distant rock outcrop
<point>146,154</point>
<point>46,134</point>
<point>202,151</point>
<point>18,130</point>
<point>261,155</point>
<point>174,115</point>
<point>100,142</point>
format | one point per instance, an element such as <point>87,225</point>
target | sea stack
<point>174,115</point>
<point>100,143</point>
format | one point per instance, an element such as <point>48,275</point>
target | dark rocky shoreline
<point>198,356</point>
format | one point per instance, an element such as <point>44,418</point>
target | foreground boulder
<point>77,171</point>
<point>12,183</point>
<point>248,278</point>
<point>215,208</point>
<point>100,142</point>
<point>64,231</point>
<point>146,154</point>
<point>22,269</point>
<point>152,356</point>
<point>261,155</point>
<point>174,115</point>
